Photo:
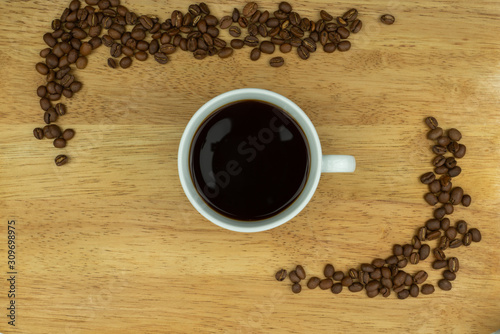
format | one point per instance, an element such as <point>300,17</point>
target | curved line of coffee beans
<point>383,275</point>
<point>80,30</point>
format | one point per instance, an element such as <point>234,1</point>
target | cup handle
<point>338,164</point>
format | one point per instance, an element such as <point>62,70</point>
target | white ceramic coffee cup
<point>319,163</point>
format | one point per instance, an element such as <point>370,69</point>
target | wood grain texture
<point>110,243</point>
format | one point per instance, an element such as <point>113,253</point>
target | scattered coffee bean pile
<point>383,275</point>
<point>80,30</point>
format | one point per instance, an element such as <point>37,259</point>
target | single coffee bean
<point>444,243</point>
<point>38,133</point>
<point>353,273</point>
<point>438,264</point>
<point>329,270</point>
<point>373,293</point>
<point>461,226</point>
<point>447,187</point>
<point>403,294</point>
<point>243,22</point>
<point>387,19</point>
<point>433,224</point>
<point>356,287</point>
<point>449,275</point>
<point>450,162</point>
<point>59,143</point>
<point>42,68</point>
<point>460,152</point>
<point>407,249</point>
<point>427,289</point>
<point>439,160</point>
<point>60,109</point>
<point>285,47</point>
<point>255,54</point>
<point>337,288</point>
<point>385,292</point>
<point>451,233</point>
<point>250,9</point>
<point>293,277</point>
<point>296,288</point>
<point>111,63</point>
<point>313,282</point>
<point>394,269</point>
<point>303,52</point>
<point>225,52</point>
<point>356,26</point>
<point>373,285</point>
<point>386,272</point>
<point>235,31</point>
<point>414,258</point>
<point>346,281</point>
<point>378,263</point>
<point>444,284</point>
<point>392,260</point>
<point>455,171</point>
<point>448,208</point>
<point>444,197</point>
<point>61,160</point>
<point>237,43</point>
<point>280,274</point>
<point>445,181</point>
<point>435,133</point>
<point>440,150</point>
<point>200,54</point>
<point>386,282</point>
<point>338,276</point>
<point>441,170</point>
<point>50,116</point>
<point>427,178</point>
<point>301,273</point>
<point>267,47</point>
<point>68,134</point>
<point>141,56</point>
<point>329,47</point>
<point>252,41</point>
<point>277,61</point>
<point>402,263</point>
<point>414,290</point>
<point>344,46</point>
<point>325,284</point>
<point>400,278</point>
<point>443,141</point>
<point>475,234</point>
<point>420,277</point>
<point>467,239</point>
<point>466,200</point>
<point>453,264</point>
<point>377,274</point>
<point>439,254</point>
<point>433,235</point>
<point>435,186</point>
<point>397,250</point>
<point>75,87</point>
<point>440,212</point>
<point>125,62</point>
<point>453,147</point>
<point>367,267</point>
<point>431,122</point>
<point>454,134</point>
<point>455,243</point>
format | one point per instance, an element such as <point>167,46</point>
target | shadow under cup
<point>249,160</point>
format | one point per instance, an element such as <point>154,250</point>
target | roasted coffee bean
<point>277,40</point>
<point>448,208</point>
<point>59,143</point>
<point>285,7</point>
<point>313,282</point>
<point>475,234</point>
<point>336,288</point>
<point>273,22</point>
<point>466,200</point>
<point>225,52</point>
<point>373,285</point>
<point>461,226</point>
<point>414,258</point>
<point>439,213</point>
<point>323,37</point>
<point>255,54</point>
<point>408,280</point>
<point>267,47</point>
<point>444,243</point>
<point>441,170</point>
<point>303,52</point>
<point>344,46</point>
<point>255,17</point>
<point>454,134</point>
<point>386,282</point>
<point>329,47</point>
<point>431,122</point>
<point>60,109</point>
<point>250,8</point>
<point>285,47</point>
<point>378,263</point>
<point>377,274</point>
<point>301,273</point>
<point>422,234</point>
<point>444,197</point>
<point>420,277</point>
<point>467,239</point>
<point>453,147</point>
<point>161,58</point>
<point>346,281</point>
<point>445,181</point>
<point>61,160</point>
<point>435,186</point>
<point>392,260</point>
<point>407,249</point>
<point>399,279</point>
<point>427,289</point>
<point>373,293</point>
<point>41,91</point>
<point>414,290</point>
<point>394,269</point>
<point>440,150</point>
<point>402,263</point>
<point>68,134</point>
<point>341,21</point>
<point>211,20</point>
<point>403,294</point>
<point>42,68</point>
<point>433,224</point>
<point>386,272</point>
<point>439,264</point>
<point>387,19</point>
<point>325,284</point>
<point>277,61</point>
<point>111,63</point>
<point>444,284</point>
<point>439,254</point>
<point>50,116</point>
<point>366,267</point>
<point>353,273</point>
<point>195,10</point>
<point>329,270</point>
<point>45,103</point>
<point>325,16</point>
<point>451,233</point>
<point>460,152</point>
<point>427,178</point>
<point>38,133</point>
<point>453,264</point>
<point>204,8</point>
<point>356,287</point>
<point>293,277</point>
<point>449,275</point>
<point>237,43</point>
<point>125,62</point>
<point>141,56</point>
<point>294,18</point>
<point>424,252</point>
<point>435,133</point>
<point>235,31</point>
<point>443,141</point>
<point>450,162</point>
<point>168,48</point>
<point>455,243</point>
<point>296,288</point>
<point>338,276</point>
<point>455,171</point>
<point>433,235</point>
<point>243,22</point>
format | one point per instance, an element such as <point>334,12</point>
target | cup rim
<point>314,149</point>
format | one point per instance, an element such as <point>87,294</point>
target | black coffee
<point>249,160</point>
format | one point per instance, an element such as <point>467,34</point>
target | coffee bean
<point>303,52</point>
<point>438,264</point>
<point>237,43</point>
<point>440,150</point>
<point>285,47</point>
<point>125,62</point>
<point>453,147</point>
<point>338,276</point>
<point>200,54</point>
<point>356,287</point>
<point>387,19</point>
<point>367,267</point>
<point>449,275</point>
<point>61,160</point>
<point>344,46</point>
<point>467,239</point>
<point>325,284</point>
<point>407,249</point>
<point>475,234</point>
<point>68,134</point>
<point>444,243</point>
<point>399,279</point>
<point>431,122</point>
<point>439,254</point>
<point>346,281</point>
<point>414,258</point>
<point>251,41</point>
<point>255,54</point>
<point>337,288</point>
<point>393,259</point>
<point>427,178</point>
<point>403,294</point>
<point>225,52</point>
<point>267,47</point>
<point>38,133</point>
<point>301,273</point>
<point>293,277</point>
<point>42,68</point>
<point>353,273</point>
<point>277,61</point>
<point>448,208</point>
<point>111,63</point>
<point>450,162</point>
<point>325,16</point>
<point>466,200</point>
<point>211,20</point>
<point>455,171</point>
<point>427,289</point>
<point>461,226</point>
<point>377,274</point>
<point>329,270</point>
<point>420,277</point>
<point>460,152</point>
<point>141,56</point>
<point>373,285</point>
<point>444,197</point>
<point>440,212</point>
<point>296,288</point>
<point>59,143</point>
<point>402,263</point>
<point>50,116</point>
<point>435,133</point>
<point>433,224</point>
<point>444,284</point>
<point>433,235</point>
<point>451,233</point>
<point>161,57</point>
<point>414,290</point>
<point>454,134</point>
<point>329,47</point>
<point>386,282</point>
<point>441,170</point>
<point>313,282</point>
<point>443,141</point>
<point>455,243</point>
<point>453,264</point>
<point>204,8</point>
<point>250,8</point>
<point>281,275</point>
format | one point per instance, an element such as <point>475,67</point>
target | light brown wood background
<point>110,243</point>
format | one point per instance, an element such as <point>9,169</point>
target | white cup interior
<point>314,149</point>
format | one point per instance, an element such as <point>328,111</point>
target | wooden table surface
<point>110,244</point>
